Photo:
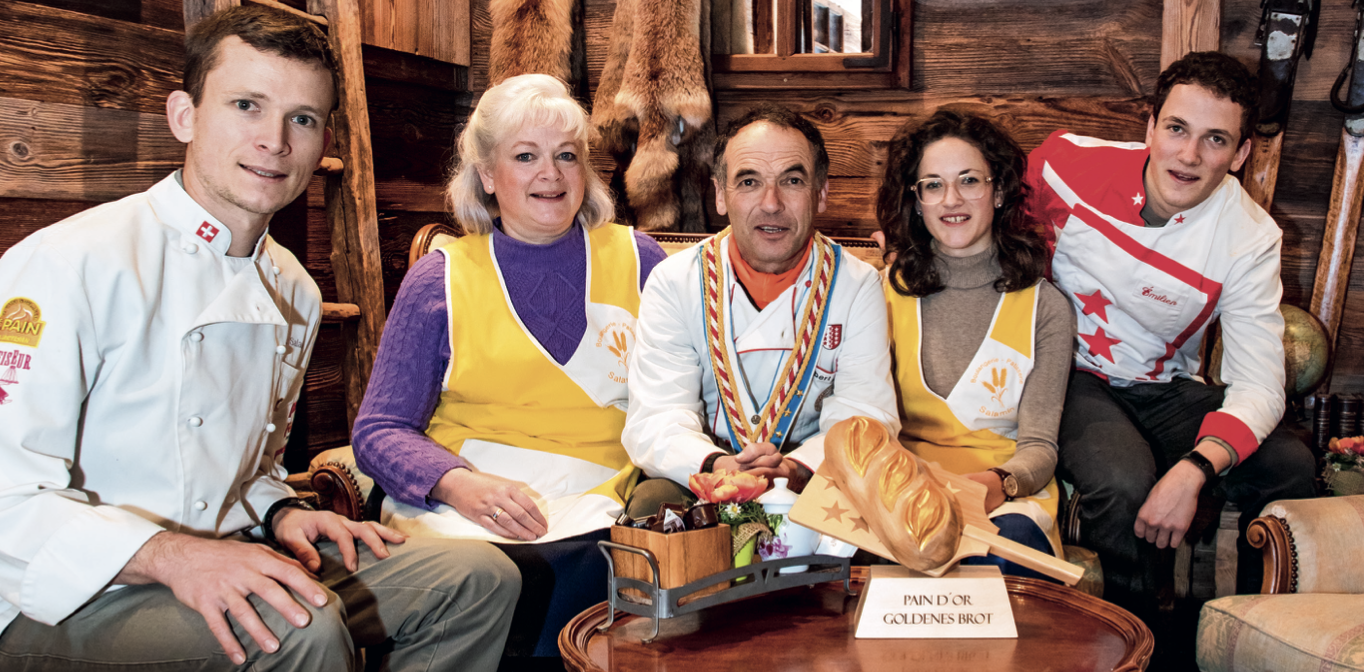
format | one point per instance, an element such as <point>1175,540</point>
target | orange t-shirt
<point>764,288</point>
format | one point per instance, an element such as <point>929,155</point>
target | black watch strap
<point>1205,465</point>
<point>1007,482</point>
<point>268,525</point>
<point>708,466</point>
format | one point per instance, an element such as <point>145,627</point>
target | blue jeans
<point>1115,443</point>
<point>1020,528</point>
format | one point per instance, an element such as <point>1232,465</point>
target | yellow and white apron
<point>976,426</point>
<point>511,410</point>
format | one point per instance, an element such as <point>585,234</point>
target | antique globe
<point>1307,352</point>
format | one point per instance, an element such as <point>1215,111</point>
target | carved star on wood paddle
<point>834,512</point>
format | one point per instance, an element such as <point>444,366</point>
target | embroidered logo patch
<point>11,363</point>
<point>21,322</point>
<point>833,335</point>
<point>999,383</point>
<point>997,386</point>
<point>207,231</point>
<point>617,338</point>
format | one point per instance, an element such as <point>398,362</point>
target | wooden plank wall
<point>1039,65</point>
<point>83,85</point>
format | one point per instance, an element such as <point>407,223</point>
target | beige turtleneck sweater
<point>955,323</point>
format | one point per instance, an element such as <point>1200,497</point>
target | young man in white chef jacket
<point>156,348</point>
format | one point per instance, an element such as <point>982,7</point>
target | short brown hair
<point>268,30</point>
<point>1219,73</point>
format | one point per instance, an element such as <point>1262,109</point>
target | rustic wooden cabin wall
<point>1039,65</point>
<point>83,85</point>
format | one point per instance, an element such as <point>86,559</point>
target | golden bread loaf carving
<point>910,511</point>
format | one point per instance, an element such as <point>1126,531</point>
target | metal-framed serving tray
<point>763,577</point>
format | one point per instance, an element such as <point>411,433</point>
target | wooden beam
<point>785,21</point>
<point>764,27</point>
<point>340,312</point>
<point>69,152</point>
<point>1189,25</point>
<point>356,255</point>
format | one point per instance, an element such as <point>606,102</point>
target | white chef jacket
<point>1144,296</point>
<point>158,397</point>
<point>674,401</point>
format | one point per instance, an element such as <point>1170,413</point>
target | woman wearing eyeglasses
<point>982,342</point>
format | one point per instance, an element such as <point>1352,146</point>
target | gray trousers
<point>440,604</point>
<point>1115,443</point>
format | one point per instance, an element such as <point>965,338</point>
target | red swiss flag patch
<point>207,231</point>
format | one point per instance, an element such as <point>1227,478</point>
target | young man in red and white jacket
<point>1152,243</point>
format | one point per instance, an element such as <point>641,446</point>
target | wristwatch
<point>1007,482</point>
<point>1205,465</point>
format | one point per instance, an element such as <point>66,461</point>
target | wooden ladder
<point>351,207</point>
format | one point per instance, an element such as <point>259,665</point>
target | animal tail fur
<point>531,36</point>
<point>664,87</point>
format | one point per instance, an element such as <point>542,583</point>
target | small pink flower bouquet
<point>1344,466</point>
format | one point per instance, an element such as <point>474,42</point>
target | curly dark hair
<point>1219,73</point>
<point>1021,251</point>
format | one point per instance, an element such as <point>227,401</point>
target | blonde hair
<point>517,102</point>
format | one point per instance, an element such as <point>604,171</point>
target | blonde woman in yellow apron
<point>982,343</point>
<point>498,396</point>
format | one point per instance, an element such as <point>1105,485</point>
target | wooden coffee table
<point>811,628</point>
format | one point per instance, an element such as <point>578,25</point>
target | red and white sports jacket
<point>1144,296</point>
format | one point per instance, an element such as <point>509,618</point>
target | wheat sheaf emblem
<point>618,346</point>
<point>999,380</point>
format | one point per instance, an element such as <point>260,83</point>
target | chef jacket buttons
<point>275,270</point>
<point>195,421</point>
<point>201,505</point>
<point>190,248</point>
<point>196,336</point>
<point>270,428</point>
<point>279,349</point>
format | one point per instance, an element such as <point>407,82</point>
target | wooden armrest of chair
<point>330,487</point>
<point>335,485</point>
<point>1311,545</point>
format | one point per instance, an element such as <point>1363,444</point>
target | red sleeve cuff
<point>1231,429</point>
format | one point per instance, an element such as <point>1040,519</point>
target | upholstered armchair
<point>1308,615</point>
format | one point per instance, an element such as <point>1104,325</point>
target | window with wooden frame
<point>784,44</point>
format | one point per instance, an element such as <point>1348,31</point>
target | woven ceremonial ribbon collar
<point>776,415</point>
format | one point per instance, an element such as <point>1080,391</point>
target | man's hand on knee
<point>297,530</point>
<point>215,576</point>
<point>1169,509</point>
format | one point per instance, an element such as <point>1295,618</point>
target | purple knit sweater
<point>546,284</point>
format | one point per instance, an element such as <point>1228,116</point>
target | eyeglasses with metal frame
<point>971,185</point>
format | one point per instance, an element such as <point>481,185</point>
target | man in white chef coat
<point>156,348</point>
<point>753,343</point>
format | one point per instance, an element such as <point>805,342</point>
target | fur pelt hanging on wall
<point>543,36</point>
<point>654,114</point>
